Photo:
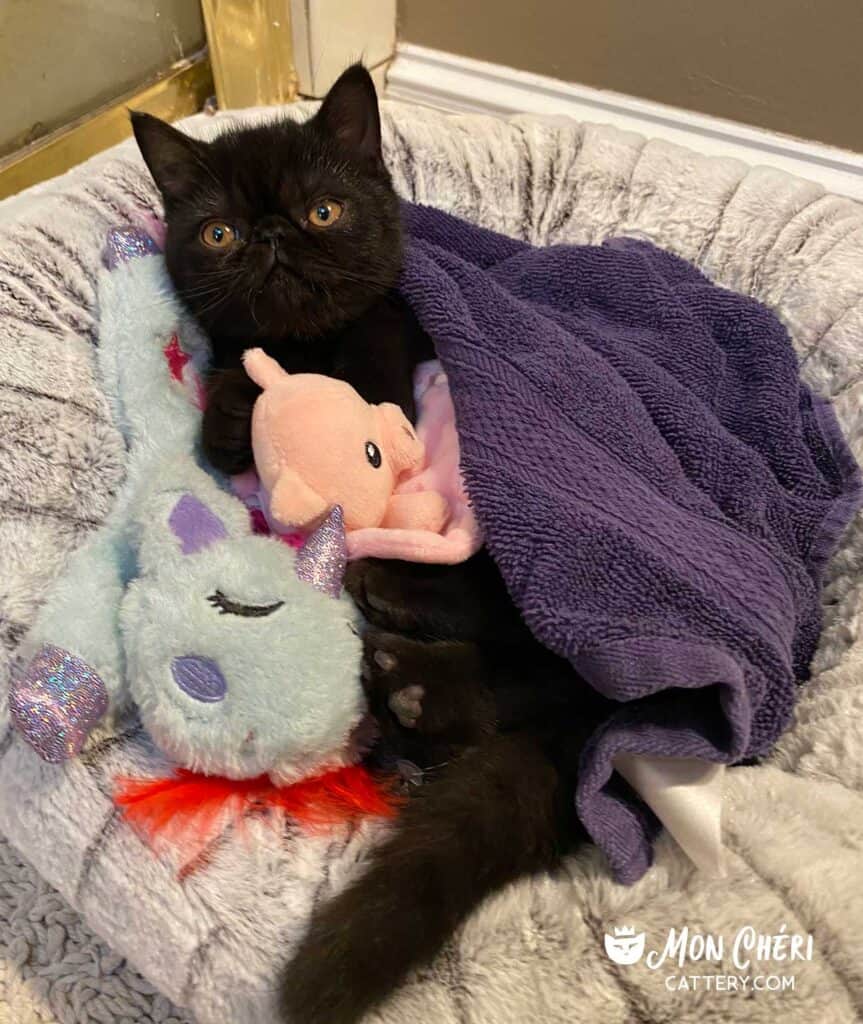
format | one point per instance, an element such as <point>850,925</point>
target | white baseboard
<point>451,82</point>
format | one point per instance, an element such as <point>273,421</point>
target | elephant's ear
<point>404,449</point>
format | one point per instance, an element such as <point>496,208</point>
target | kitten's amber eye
<point>218,235</point>
<point>325,212</point>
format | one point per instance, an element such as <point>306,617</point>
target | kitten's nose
<point>272,230</point>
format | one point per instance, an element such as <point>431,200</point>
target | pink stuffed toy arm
<point>460,536</point>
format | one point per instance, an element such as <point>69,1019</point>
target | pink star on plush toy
<point>178,360</point>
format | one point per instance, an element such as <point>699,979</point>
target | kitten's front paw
<point>376,593</point>
<point>227,422</point>
<point>394,595</point>
<point>57,703</point>
<point>448,602</point>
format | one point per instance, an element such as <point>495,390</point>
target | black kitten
<point>288,236</point>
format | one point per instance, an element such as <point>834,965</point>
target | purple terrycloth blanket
<point>658,488</point>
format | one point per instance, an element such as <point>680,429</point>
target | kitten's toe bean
<point>386,661</point>
<point>394,664</point>
<point>382,654</point>
<point>406,705</point>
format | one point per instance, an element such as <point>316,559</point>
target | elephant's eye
<point>251,611</point>
<point>373,454</point>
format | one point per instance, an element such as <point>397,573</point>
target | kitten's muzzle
<point>271,231</point>
<point>271,243</point>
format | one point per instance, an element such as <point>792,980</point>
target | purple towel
<point>658,488</point>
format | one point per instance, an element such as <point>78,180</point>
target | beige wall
<point>794,66</point>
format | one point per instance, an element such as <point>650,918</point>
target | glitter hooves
<point>127,243</point>
<point>56,703</point>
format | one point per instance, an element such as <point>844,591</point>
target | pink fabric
<point>461,537</point>
<point>246,486</point>
<point>155,227</point>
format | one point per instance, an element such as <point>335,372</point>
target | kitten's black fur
<point>455,678</point>
<point>500,729</point>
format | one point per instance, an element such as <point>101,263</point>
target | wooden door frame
<point>267,52</point>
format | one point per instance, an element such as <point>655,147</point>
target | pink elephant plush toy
<point>317,444</point>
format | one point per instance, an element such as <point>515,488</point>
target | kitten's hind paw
<point>406,704</point>
<point>433,688</point>
<point>394,672</point>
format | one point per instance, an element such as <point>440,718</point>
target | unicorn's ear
<point>185,515</point>
<point>195,525</point>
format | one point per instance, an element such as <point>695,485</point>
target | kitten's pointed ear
<point>350,114</point>
<point>177,162</point>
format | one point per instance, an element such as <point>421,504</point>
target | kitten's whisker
<point>252,300</point>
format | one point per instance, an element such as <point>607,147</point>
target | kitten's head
<point>280,229</point>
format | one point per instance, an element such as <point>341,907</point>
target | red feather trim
<point>191,811</point>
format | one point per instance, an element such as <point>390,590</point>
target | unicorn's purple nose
<point>201,678</point>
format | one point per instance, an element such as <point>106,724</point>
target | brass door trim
<point>182,91</point>
<point>252,51</point>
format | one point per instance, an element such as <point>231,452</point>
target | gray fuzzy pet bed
<point>535,953</point>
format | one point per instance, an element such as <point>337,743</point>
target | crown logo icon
<point>625,946</point>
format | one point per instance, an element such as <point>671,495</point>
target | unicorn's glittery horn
<point>322,559</point>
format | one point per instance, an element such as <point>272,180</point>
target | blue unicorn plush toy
<point>239,653</point>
